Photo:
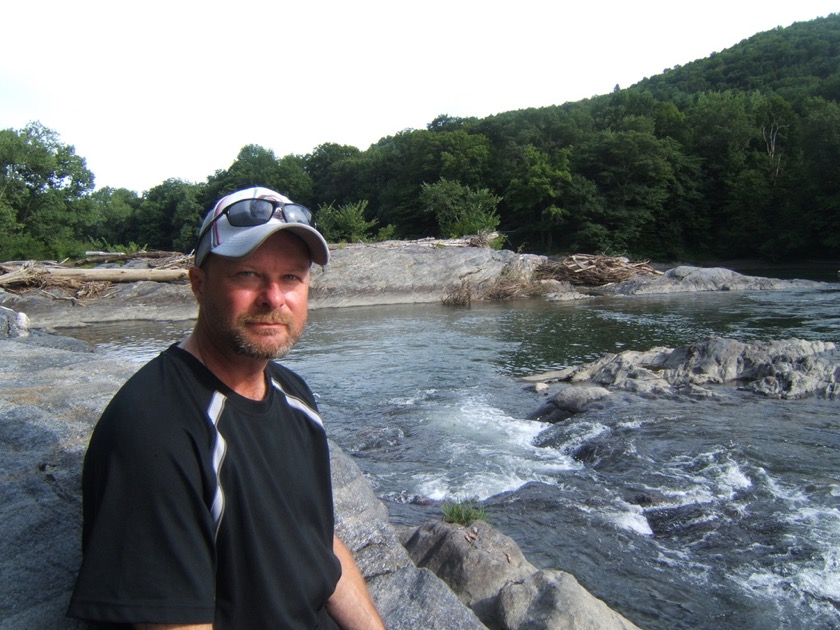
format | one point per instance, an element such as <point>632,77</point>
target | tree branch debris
<point>594,271</point>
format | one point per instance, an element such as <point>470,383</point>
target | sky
<point>147,91</point>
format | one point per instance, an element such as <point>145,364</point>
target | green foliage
<point>463,512</point>
<point>734,155</point>
<point>43,210</point>
<point>346,223</point>
<point>169,215</point>
<point>460,210</point>
<point>386,233</point>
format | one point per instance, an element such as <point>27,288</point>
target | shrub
<point>346,223</point>
<point>460,210</point>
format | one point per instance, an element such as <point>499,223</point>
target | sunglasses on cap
<point>251,212</point>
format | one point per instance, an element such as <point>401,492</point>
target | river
<point>678,514</point>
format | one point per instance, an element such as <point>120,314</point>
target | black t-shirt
<point>203,506</point>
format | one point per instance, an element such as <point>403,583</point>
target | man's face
<point>255,307</point>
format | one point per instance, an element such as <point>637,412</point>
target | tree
<point>330,168</point>
<point>345,223</point>
<point>633,172</point>
<point>42,185</point>
<point>115,209</point>
<point>819,208</point>
<point>258,166</point>
<point>460,210</point>
<point>169,216</point>
<point>532,195</point>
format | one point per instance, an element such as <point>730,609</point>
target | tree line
<point>735,155</point>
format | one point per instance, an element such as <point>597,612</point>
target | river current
<point>696,514</point>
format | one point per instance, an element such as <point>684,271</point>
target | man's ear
<point>197,276</point>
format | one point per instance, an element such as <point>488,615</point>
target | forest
<point>736,155</point>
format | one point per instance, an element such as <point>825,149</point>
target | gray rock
<point>686,278</point>
<point>555,600</point>
<point>377,273</point>
<point>789,369</point>
<point>489,573</point>
<point>12,323</point>
<point>476,561</point>
<point>415,599</point>
<point>392,273</point>
<point>136,301</point>
<point>567,402</point>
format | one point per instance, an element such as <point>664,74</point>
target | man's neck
<point>243,375</point>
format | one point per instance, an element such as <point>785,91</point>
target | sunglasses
<point>251,212</point>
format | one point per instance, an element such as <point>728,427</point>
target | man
<point>207,495</point>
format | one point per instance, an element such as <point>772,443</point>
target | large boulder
<point>489,573</point>
<point>554,600</point>
<point>405,273</point>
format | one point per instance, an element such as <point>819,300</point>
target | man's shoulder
<point>163,384</point>
<point>290,381</point>
<point>164,367</point>
<point>283,373</point>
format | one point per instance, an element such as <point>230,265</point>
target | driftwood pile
<point>76,282</point>
<point>594,271</point>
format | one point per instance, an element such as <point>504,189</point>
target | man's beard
<point>255,348</point>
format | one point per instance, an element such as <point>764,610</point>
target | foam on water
<point>630,518</point>
<point>494,453</point>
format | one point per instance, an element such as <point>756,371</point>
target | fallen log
<point>33,273</point>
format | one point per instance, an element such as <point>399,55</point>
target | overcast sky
<point>150,90</point>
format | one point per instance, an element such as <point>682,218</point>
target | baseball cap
<point>241,221</point>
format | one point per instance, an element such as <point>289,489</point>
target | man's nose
<point>273,294</point>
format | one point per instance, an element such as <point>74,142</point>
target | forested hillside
<point>735,155</point>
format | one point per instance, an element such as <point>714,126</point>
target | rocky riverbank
<point>52,390</point>
<point>377,274</point>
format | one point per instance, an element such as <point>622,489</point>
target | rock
<point>488,572</point>
<point>415,598</point>
<point>380,273</point>
<point>13,324</point>
<point>393,273</point>
<point>567,402</point>
<point>358,274</point>
<point>687,278</point>
<point>788,369</point>
<point>554,600</point>
<point>476,561</point>
<point>154,301</point>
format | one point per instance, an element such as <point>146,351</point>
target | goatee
<point>270,348</point>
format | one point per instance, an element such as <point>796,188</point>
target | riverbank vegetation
<point>730,156</point>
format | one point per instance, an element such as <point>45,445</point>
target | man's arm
<point>351,605</point>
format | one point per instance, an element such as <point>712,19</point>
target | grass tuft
<point>463,512</point>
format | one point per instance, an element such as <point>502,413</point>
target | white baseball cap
<point>240,222</point>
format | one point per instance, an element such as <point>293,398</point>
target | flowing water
<point>678,514</point>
